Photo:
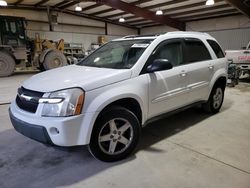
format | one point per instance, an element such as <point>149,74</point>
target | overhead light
<point>3,3</point>
<point>159,12</point>
<point>209,2</point>
<point>78,8</point>
<point>121,19</point>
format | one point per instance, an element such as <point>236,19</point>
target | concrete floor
<point>189,149</point>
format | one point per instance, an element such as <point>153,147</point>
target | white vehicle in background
<point>240,58</point>
<point>105,99</point>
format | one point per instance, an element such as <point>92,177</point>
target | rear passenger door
<point>200,66</point>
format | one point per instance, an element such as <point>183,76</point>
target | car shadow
<point>27,163</point>
<point>169,126</point>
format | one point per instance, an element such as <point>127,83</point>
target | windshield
<point>117,54</point>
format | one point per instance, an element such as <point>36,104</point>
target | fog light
<point>54,131</point>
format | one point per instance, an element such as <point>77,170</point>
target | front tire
<point>215,100</point>
<point>115,134</point>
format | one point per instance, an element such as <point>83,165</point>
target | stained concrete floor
<point>187,150</point>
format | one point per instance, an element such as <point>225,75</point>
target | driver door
<point>168,88</point>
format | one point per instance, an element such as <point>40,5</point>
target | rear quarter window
<point>216,48</point>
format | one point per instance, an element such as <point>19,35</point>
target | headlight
<point>63,103</point>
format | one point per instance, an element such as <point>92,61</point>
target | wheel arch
<point>221,79</point>
<point>129,103</point>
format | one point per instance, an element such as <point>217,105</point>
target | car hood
<point>87,78</point>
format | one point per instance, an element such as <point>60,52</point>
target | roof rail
<point>137,36</point>
<point>188,32</point>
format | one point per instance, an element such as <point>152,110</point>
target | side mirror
<point>159,65</point>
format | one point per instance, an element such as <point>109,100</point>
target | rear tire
<point>215,100</point>
<point>7,64</point>
<point>115,135</point>
<point>54,59</point>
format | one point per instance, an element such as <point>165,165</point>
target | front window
<point>117,54</point>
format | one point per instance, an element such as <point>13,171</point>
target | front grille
<point>30,106</point>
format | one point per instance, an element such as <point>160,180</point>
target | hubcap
<point>217,98</point>
<point>56,62</point>
<point>115,136</point>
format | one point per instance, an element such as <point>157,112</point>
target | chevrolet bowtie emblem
<point>25,97</point>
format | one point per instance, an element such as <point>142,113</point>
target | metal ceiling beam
<point>151,7</point>
<point>103,11</point>
<point>142,23</point>
<point>186,12</point>
<point>164,4</point>
<point>18,2</point>
<point>60,3</point>
<point>241,5</point>
<point>41,2</point>
<point>112,9</point>
<point>135,21</point>
<point>91,7</point>
<point>207,15</point>
<point>44,8</point>
<point>213,16</point>
<point>193,5</point>
<point>140,12</point>
<point>201,10</point>
<point>71,3</point>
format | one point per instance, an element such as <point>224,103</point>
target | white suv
<point>105,99</point>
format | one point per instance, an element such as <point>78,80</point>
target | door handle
<point>211,67</point>
<point>183,74</point>
<point>246,52</point>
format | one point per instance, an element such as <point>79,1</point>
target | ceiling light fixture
<point>78,8</point>
<point>3,3</point>
<point>159,12</point>
<point>209,2</point>
<point>121,19</point>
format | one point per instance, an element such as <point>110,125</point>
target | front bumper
<point>70,131</point>
<point>34,132</point>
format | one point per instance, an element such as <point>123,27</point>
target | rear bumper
<point>35,132</point>
<point>244,66</point>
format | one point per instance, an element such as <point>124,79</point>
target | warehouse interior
<point>186,149</point>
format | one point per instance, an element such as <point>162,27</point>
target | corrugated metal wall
<point>232,39</point>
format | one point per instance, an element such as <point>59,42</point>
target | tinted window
<point>195,51</point>
<point>216,48</point>
<point>171,51</point>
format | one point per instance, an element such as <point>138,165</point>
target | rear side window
<point>195,51</point>
<point>216,48</point>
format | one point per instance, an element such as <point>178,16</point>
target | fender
<point>103,98</point>
<point>219,73</point>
